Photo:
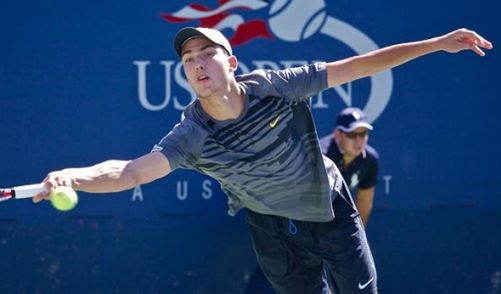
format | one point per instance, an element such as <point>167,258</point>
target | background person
<point>357,161</point>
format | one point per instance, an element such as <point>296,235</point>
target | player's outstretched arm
<point>109,176</point>
<point>353,68</point>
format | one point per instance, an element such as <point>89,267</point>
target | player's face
<point>354,142</point>
<point>207,67</point>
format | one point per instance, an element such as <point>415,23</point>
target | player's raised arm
<point>353,68</point>
<point>109,176</point>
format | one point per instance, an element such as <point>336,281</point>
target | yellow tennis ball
<point>64,198</point>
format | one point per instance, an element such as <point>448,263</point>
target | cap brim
<point>184,35</point>
<point>356,125</point>
<point>212,35</point>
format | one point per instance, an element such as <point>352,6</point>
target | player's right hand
<point>464,39</point>
<point>51,182</point>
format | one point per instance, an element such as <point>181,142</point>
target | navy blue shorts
<point>314,257</point>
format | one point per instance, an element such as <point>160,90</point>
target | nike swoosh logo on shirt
<point>274,122</point>
<point>363,286</point>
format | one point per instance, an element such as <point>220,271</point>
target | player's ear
<point>232,60</point>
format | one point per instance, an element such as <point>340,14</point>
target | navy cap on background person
<point>351,118</point>
<point>188,33</point>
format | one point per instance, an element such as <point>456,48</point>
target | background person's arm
<point>364,200</point>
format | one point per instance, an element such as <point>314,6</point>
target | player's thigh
<point>350,265</point>
<point>286,266</point>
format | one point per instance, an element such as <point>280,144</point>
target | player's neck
<point>227,106</point>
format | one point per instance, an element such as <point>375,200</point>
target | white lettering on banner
<point>176,73</point>
<point>319,101</point>
<point>182,190</point>
<point>178,77</point>
<point>141,82</point>
<point>137,194</point>
<point>262,64</point>
<point>387,179</point>
<point>344,94</point>
<point>207,189</point>
<point>183,83</point>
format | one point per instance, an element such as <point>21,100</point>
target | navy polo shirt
<point>363,170</point>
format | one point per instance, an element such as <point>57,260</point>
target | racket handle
<point>27,191</point>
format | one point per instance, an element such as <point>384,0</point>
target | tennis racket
<point>19,192</point>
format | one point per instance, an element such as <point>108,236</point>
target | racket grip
<point>27,191</point>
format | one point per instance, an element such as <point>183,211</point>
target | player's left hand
<point>464,39</point>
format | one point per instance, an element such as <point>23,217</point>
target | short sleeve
<point>300,83</point>
<point>181,145</point>
<point>294,84</point>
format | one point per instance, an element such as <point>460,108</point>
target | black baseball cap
<point>212,35</point>
<point>351,118</point>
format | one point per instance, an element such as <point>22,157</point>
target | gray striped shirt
<point>268,159</point>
